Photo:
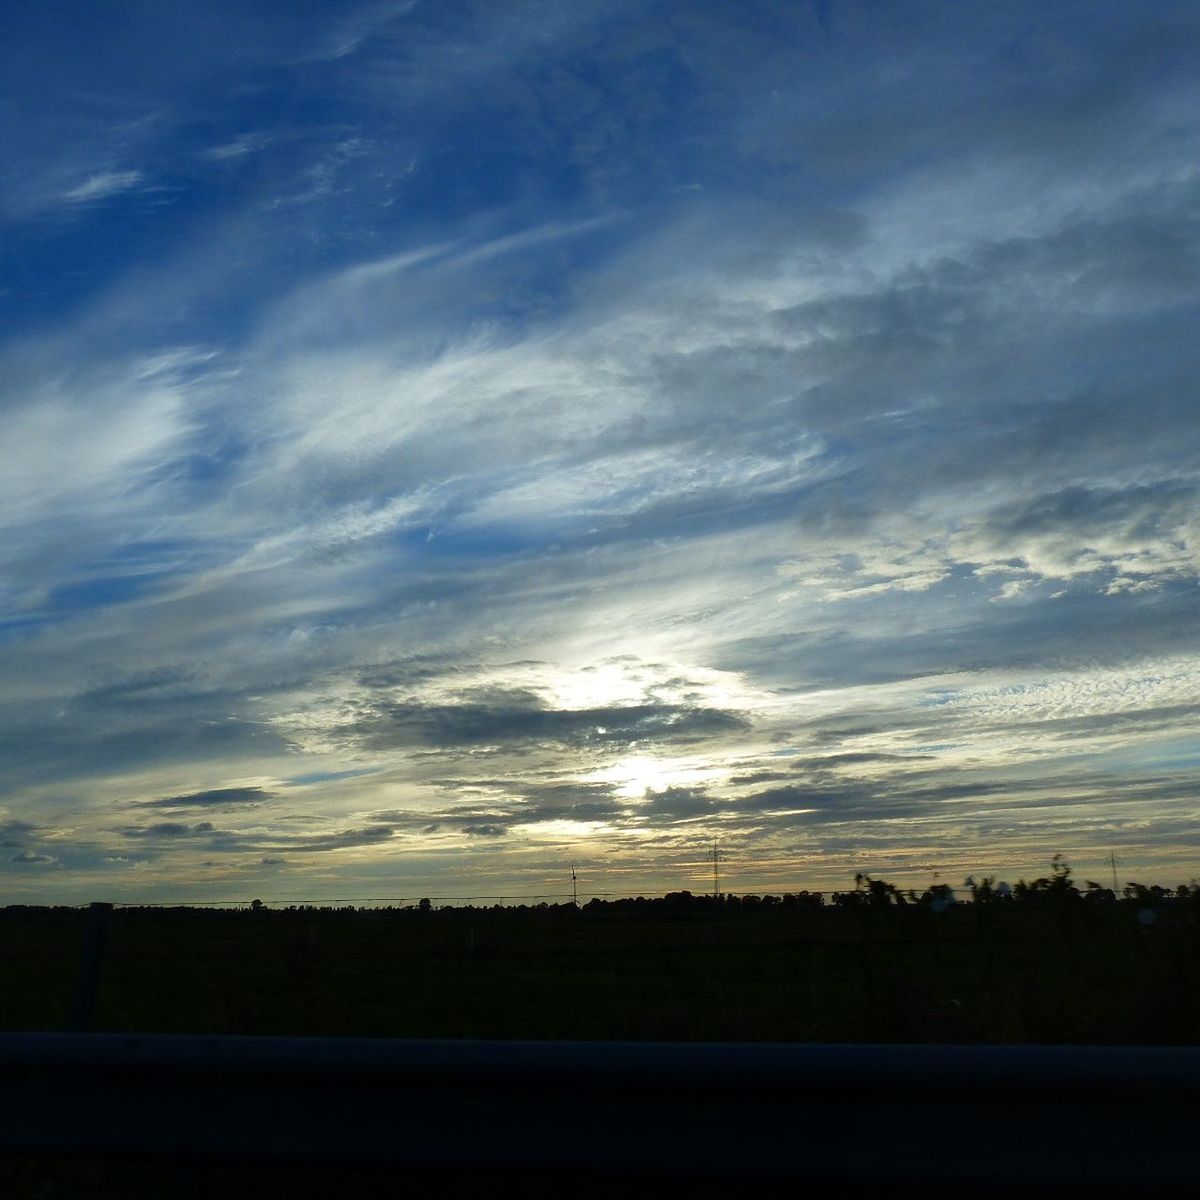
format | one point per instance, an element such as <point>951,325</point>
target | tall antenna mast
<point>1112,861</point>
<point>716,862</point>
<point>574,888</point>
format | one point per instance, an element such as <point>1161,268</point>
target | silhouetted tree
<point>937,898</point>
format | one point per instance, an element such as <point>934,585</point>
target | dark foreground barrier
<point>993,1116</point>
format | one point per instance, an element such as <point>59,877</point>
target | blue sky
<point>442,443</point>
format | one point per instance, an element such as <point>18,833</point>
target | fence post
<point>84,1008</point>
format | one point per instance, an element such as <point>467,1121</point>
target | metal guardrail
<point>994,1115</point>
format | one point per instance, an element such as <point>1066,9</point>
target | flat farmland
<point>652,970</point>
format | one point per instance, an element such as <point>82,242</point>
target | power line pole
<point>574,889</point>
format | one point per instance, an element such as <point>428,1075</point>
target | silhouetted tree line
<point>1056,890</point>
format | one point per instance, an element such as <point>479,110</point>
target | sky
<point>444,443</point>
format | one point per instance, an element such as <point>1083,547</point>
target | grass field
<point>1052,971</point>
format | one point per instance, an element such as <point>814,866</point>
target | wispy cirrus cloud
<point>103,184</point>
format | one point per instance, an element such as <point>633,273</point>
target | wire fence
<point>502,898</point>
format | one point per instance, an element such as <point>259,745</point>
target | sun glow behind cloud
<point>633,777</point>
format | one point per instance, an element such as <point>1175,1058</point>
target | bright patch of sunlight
<point>567,829</point>
<point>604,685</point>
<point>636,775</point>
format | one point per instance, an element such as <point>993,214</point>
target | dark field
<point>1051,968</point>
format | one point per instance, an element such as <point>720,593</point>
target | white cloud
<point>102,185</point>
<point>239,147</point>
